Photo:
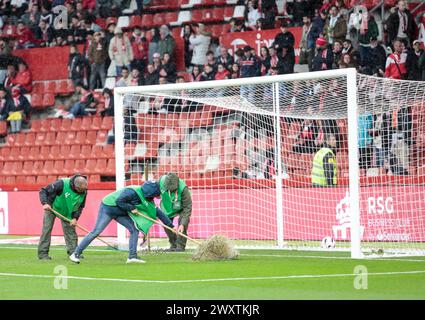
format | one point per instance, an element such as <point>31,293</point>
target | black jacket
<point>393,23</point>
<point>49,193</point>
<point>8,105</point>
<point>152,78</point>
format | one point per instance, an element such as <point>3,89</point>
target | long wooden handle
<point>166,227</point>
<point>81,227</point>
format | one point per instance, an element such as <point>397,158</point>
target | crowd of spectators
<point>333,37</point>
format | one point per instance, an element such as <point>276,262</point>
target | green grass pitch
<point>257,274</point>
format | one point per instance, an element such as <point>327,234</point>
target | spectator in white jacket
<point>200,41</point>
<point>120,51</point>
<point>253,15</point>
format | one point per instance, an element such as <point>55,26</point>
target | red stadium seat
<point>50,87</point>
<point>94,178</point>
<point>70,137</point>
<point>109,151</point>
<point>69,167</point>
<point>14,154</point>
<point>48,100</point>
<point>3,128</point>
<point>147,20</point>
<point>91,137</point>
<point>96,123</point>
<point>20,139</point>
<point>30,139</point>
<point>101,137</point>
<point>44,153</point>
<point>62,87</point>
<point>55,153</point>
<point>97,152</point>
<point>158,19</point>
<point>4,153</point>
<point>33,153</point>
<point>38,87</point>
<point>66,124</point>
<point>110,169</point>
<point>107,123</point>
<point>86,152</point>
<point>7,168</point>
<point>65,151</point>
<point>48,167</point>
<point>75,152</point>
<point>30,180</point>
<point>135,21</point>
<point>86,123</point>
<point>41,180</point>
<point>80,138</point>
<point>197,16</point>
<point>58,167</point>
<point>36,125</point>
<point>11,180</point>
<point>36,101</point>
<point>101,166</point>
<point>50,139</point>
<point>91,166</point>
<point>76,124</point>
<point>79,165</point>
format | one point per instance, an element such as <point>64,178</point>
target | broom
<point>84,229</point>
<point>214,248</point>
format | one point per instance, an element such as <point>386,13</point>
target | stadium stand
<point>51,147</point>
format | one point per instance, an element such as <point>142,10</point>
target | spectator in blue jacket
<point>250,66</point>
<point>125,203</point>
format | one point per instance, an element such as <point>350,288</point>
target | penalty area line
<point>288,277</point>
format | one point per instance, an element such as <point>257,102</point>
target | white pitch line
<point>246,254</point>
<point>306,276</point>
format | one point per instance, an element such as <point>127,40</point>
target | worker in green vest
<point>66,196</point>
<point>176,200</point>
<point>324,172</point>
<point>123,206</point>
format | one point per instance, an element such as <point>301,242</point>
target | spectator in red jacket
<point>140,48</point>
<point>24,37</point>
<point>395,67</point>
<point>24,78</point>
<point>222,73</point>
<point>89,4</point>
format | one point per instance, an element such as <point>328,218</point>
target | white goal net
<point>246,147</point>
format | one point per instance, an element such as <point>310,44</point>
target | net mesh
<point>229,142</point>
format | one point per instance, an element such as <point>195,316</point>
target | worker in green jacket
<point>324,171</point>
<point>67,196</point>
<point>176,200</point>
<point>124,206</point>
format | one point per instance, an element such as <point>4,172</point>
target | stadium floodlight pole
<point>278,166</point>
<point>353,160</point>
<point>119,156</point>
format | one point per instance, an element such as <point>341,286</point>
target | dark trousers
<point>70,235</point>
<point>178,242</point>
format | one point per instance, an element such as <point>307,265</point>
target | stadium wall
<point>389,213</point>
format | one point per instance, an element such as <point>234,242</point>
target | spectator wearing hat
<point>412,62</point>
<point>97,56</point>
<point>324,56</point>
<point>284,39</point>
<point>166,42</point>
<point>111,24</point>
<point>400,24</point>
<point>200,40</point>
<point>336,26</point>
<point>120,50</point>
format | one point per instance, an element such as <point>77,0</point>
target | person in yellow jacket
<point>324,171</point>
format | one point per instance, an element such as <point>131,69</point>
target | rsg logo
<point>379,205</point>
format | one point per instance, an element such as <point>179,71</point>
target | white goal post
<point>245,147</point>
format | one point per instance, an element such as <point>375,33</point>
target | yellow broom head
<point>215,248</point>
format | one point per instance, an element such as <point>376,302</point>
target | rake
<point>214,248</point>
<point>84,229</point>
